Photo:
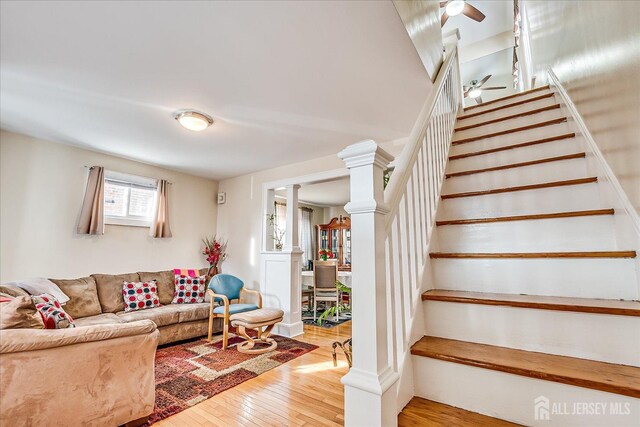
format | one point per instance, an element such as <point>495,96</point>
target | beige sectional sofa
<point>100,373</point>
<point>97,300</point>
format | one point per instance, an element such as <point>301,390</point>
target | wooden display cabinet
<point>335,237</point>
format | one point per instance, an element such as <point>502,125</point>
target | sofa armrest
<point>19,340</point>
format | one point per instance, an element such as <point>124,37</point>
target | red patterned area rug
<point>188,373</point>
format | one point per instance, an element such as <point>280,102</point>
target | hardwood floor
<point>426,413</point>
<point>303,392</point>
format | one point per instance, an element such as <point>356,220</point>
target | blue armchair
<point>224,289</point>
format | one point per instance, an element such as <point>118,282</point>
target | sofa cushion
<point>110,290</point>
<point>165,281</point>
<point>100,319</point>
<point>20,313</point>
<point>192,312</point>
<point>53,315</point>
<point>161,316</point>
<point>83,296</point>
<point>140,295</point>
<point>235,308</point>
<point>14,291</point>
<point>189,290</point>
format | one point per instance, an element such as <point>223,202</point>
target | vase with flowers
<point>325,254</point>
<point>216,251</point>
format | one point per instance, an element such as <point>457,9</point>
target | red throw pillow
<point>189,290</point>
<point>53,315</point>
<point>140,295</point>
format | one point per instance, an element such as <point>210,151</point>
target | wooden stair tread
<point>583,305</point>
<point>511,147</point>
<point>522,188</point>
<point>515,104</point>
<point>577,254</point>
<point>510,131</point>
<point>608,377</point>
<point>518,165</point>
<point>427,413</point>
<point>512,116</point>
<point>554,215</point>
<point>515,95</point>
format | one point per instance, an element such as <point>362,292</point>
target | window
<point>129,199</point>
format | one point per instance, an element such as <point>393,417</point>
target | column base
<point>289,330</point>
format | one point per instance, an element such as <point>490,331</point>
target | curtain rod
<point>91,167</point>
<point>304,208</point>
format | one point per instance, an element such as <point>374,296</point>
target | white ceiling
<point>285,81</point>
<point>499,19</point>
<point>327,194</point>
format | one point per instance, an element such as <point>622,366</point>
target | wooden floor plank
<point>427,413</point>
<point>518,165</point>
<point>608,377</point>
<point>541,185</point>
<point>502,107</point>
<point>509,117</point>
<point>583,305</point>
<point>515,95</point>
<point>304,391</point>
<point>510,131</point>
<point>555,215</point>
<point>483,255</point>
<point>514,146</point>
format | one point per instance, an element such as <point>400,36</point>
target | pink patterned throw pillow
<point>53,315</point>
<point>189,290</point>
<point>140,295</point>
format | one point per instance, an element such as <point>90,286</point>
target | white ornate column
<point>281,273</point>
<point>371,384</point>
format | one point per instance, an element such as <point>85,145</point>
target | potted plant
<point>216,251</point>
<point>344,308</point>
<point>277,233</point>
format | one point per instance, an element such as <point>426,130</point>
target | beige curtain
<point>92,215</point>
<point>160,226</point>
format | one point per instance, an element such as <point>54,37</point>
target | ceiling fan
<point>456,7</point>
<point>475,90</point>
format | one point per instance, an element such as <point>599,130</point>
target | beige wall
<point>240,218</point>
<point>42,185</point>
<point>594,49</point>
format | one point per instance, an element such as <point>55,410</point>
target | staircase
<point>533,315</point>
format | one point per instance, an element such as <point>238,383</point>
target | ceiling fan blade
<point>443,3</point>
<point>483,81</point>
<point>494,88</point>
<point>479,100</point>
<point>443,19</point>
<point>466,94</point>
<point>472,12</point>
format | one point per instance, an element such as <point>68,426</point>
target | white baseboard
<point>289,330</point>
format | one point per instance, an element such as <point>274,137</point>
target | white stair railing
<point>391,230</point>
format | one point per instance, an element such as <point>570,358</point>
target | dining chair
<point>325,274</point>
<point>225,289</point>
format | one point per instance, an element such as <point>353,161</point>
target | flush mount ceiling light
<point>454,7</point>
<point>475,92</point>
<point>193,120</point>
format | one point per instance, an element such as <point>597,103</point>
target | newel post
<point>371,384</point>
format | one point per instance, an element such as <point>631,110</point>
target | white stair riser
<point>516,155</point>
<point>523,108</point>
<point>506,102</point>
<point>533,174</point>
<point>603,337</point>
<point>508,124</point>
<point>592,233</point>
<point>543,200</point>
<point>608,278</point>
<point>512,397</point>
<point>511,138</point>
